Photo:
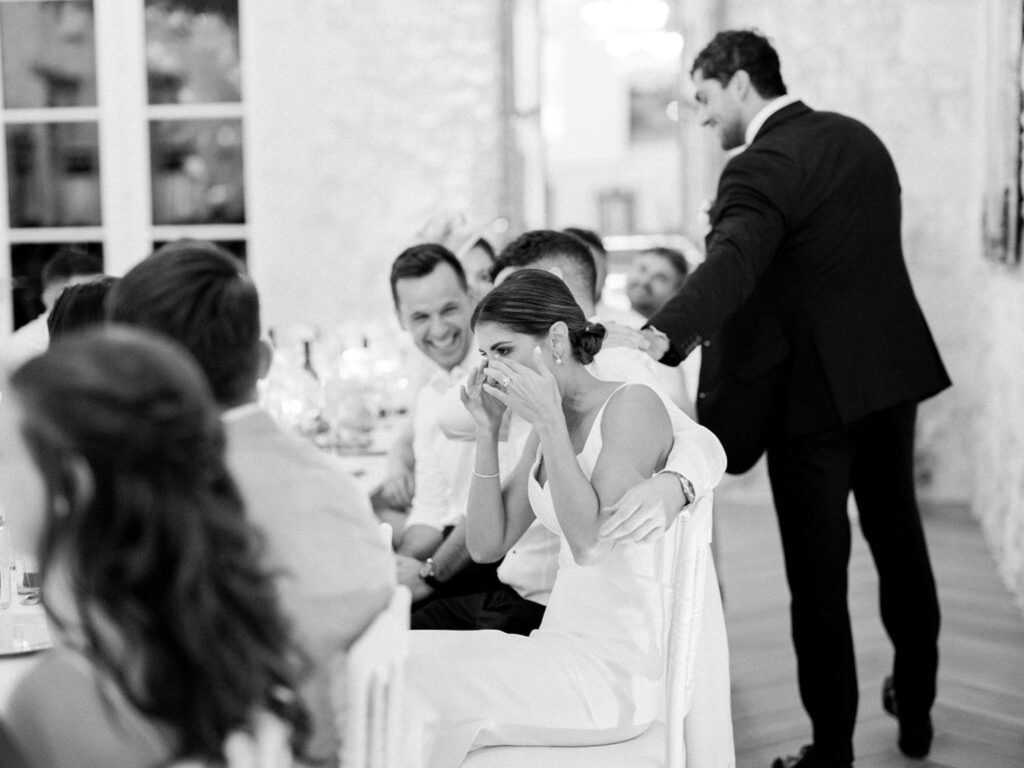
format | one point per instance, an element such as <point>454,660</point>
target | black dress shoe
<point>915,738</point>
<point>807,759</point>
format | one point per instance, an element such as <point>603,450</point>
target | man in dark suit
<point>816,351</point>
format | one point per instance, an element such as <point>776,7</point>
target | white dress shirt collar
<point>767,111</point>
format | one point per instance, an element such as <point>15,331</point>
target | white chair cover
<point>368,689</point>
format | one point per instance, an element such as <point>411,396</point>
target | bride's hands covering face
<point>485,408</point>
<point>531,393</point>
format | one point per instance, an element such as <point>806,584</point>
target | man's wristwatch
<point>428,573</point>
<point>688,493</point>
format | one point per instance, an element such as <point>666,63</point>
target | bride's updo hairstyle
<point>530,301</point>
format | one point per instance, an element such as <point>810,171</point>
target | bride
<point>593,673</point>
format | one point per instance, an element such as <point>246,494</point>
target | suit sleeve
<point>748,225</point>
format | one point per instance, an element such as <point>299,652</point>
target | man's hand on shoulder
<point>619,335</point>
<point>649,340</point>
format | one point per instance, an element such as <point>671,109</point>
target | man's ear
<point>740,83</point>
<point>266,356</point>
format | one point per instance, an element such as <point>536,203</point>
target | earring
<point>558,357</point>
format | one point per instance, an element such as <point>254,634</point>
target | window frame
<point>123,116</point>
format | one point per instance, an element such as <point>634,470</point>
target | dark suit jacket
<point>804,302</point>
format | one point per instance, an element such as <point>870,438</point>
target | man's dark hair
<point>197,293</point>
<point>673,257</point>
<point>588,236</point>
<point>419,261</point>
<point>737,49</point>
<point>68,263</point>
<point>79,306</point>
<point>548,245</point>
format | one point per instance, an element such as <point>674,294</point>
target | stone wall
<point>362,120</point>
<point>996,429</point>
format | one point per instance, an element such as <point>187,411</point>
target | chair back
<point>689,584</point>
<point>693,609</point>
<point>368,689</point>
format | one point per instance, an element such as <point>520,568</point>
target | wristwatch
<point>428,573</point>
<point>689,494</point>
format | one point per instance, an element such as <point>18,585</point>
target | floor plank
<point>979,715</point>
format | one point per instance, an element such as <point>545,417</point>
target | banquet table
<point>24,638</point>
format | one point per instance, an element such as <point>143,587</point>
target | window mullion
<point>124,135</point>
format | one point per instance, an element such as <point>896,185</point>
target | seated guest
<point>68,267</point>
<point>654,277</point>
<point>594,672</point>
<point>167,629</point>
<point>322,538</point>
<point>476,255</point>
<point>433,304</point>
<point>79,306</point>
<point>528,570</point>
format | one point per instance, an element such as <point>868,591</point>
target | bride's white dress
<point>591,674</point>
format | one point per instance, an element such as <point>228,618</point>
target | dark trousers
<point>501,609</point>
<point>811,478</point>
<point>473,578</point>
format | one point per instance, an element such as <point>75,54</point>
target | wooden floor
<point>979,715</point>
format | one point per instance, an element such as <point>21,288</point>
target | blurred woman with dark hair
<point>167,630</point>
<point>594,671</point>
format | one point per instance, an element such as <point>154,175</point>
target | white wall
<point>362,120</point>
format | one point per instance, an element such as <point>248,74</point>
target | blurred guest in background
<point>653,277</point>
<point>168,633</point>
<point>68,267</point>
<point>335,574</point>
<point>469,243</point>
<point>477,257</point>
<point>79,306</point>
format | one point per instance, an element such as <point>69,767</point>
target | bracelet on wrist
<point>689,494</point>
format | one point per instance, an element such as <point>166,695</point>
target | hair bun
<point>587,341</point>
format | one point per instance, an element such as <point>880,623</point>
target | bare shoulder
<point>638,410</point>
